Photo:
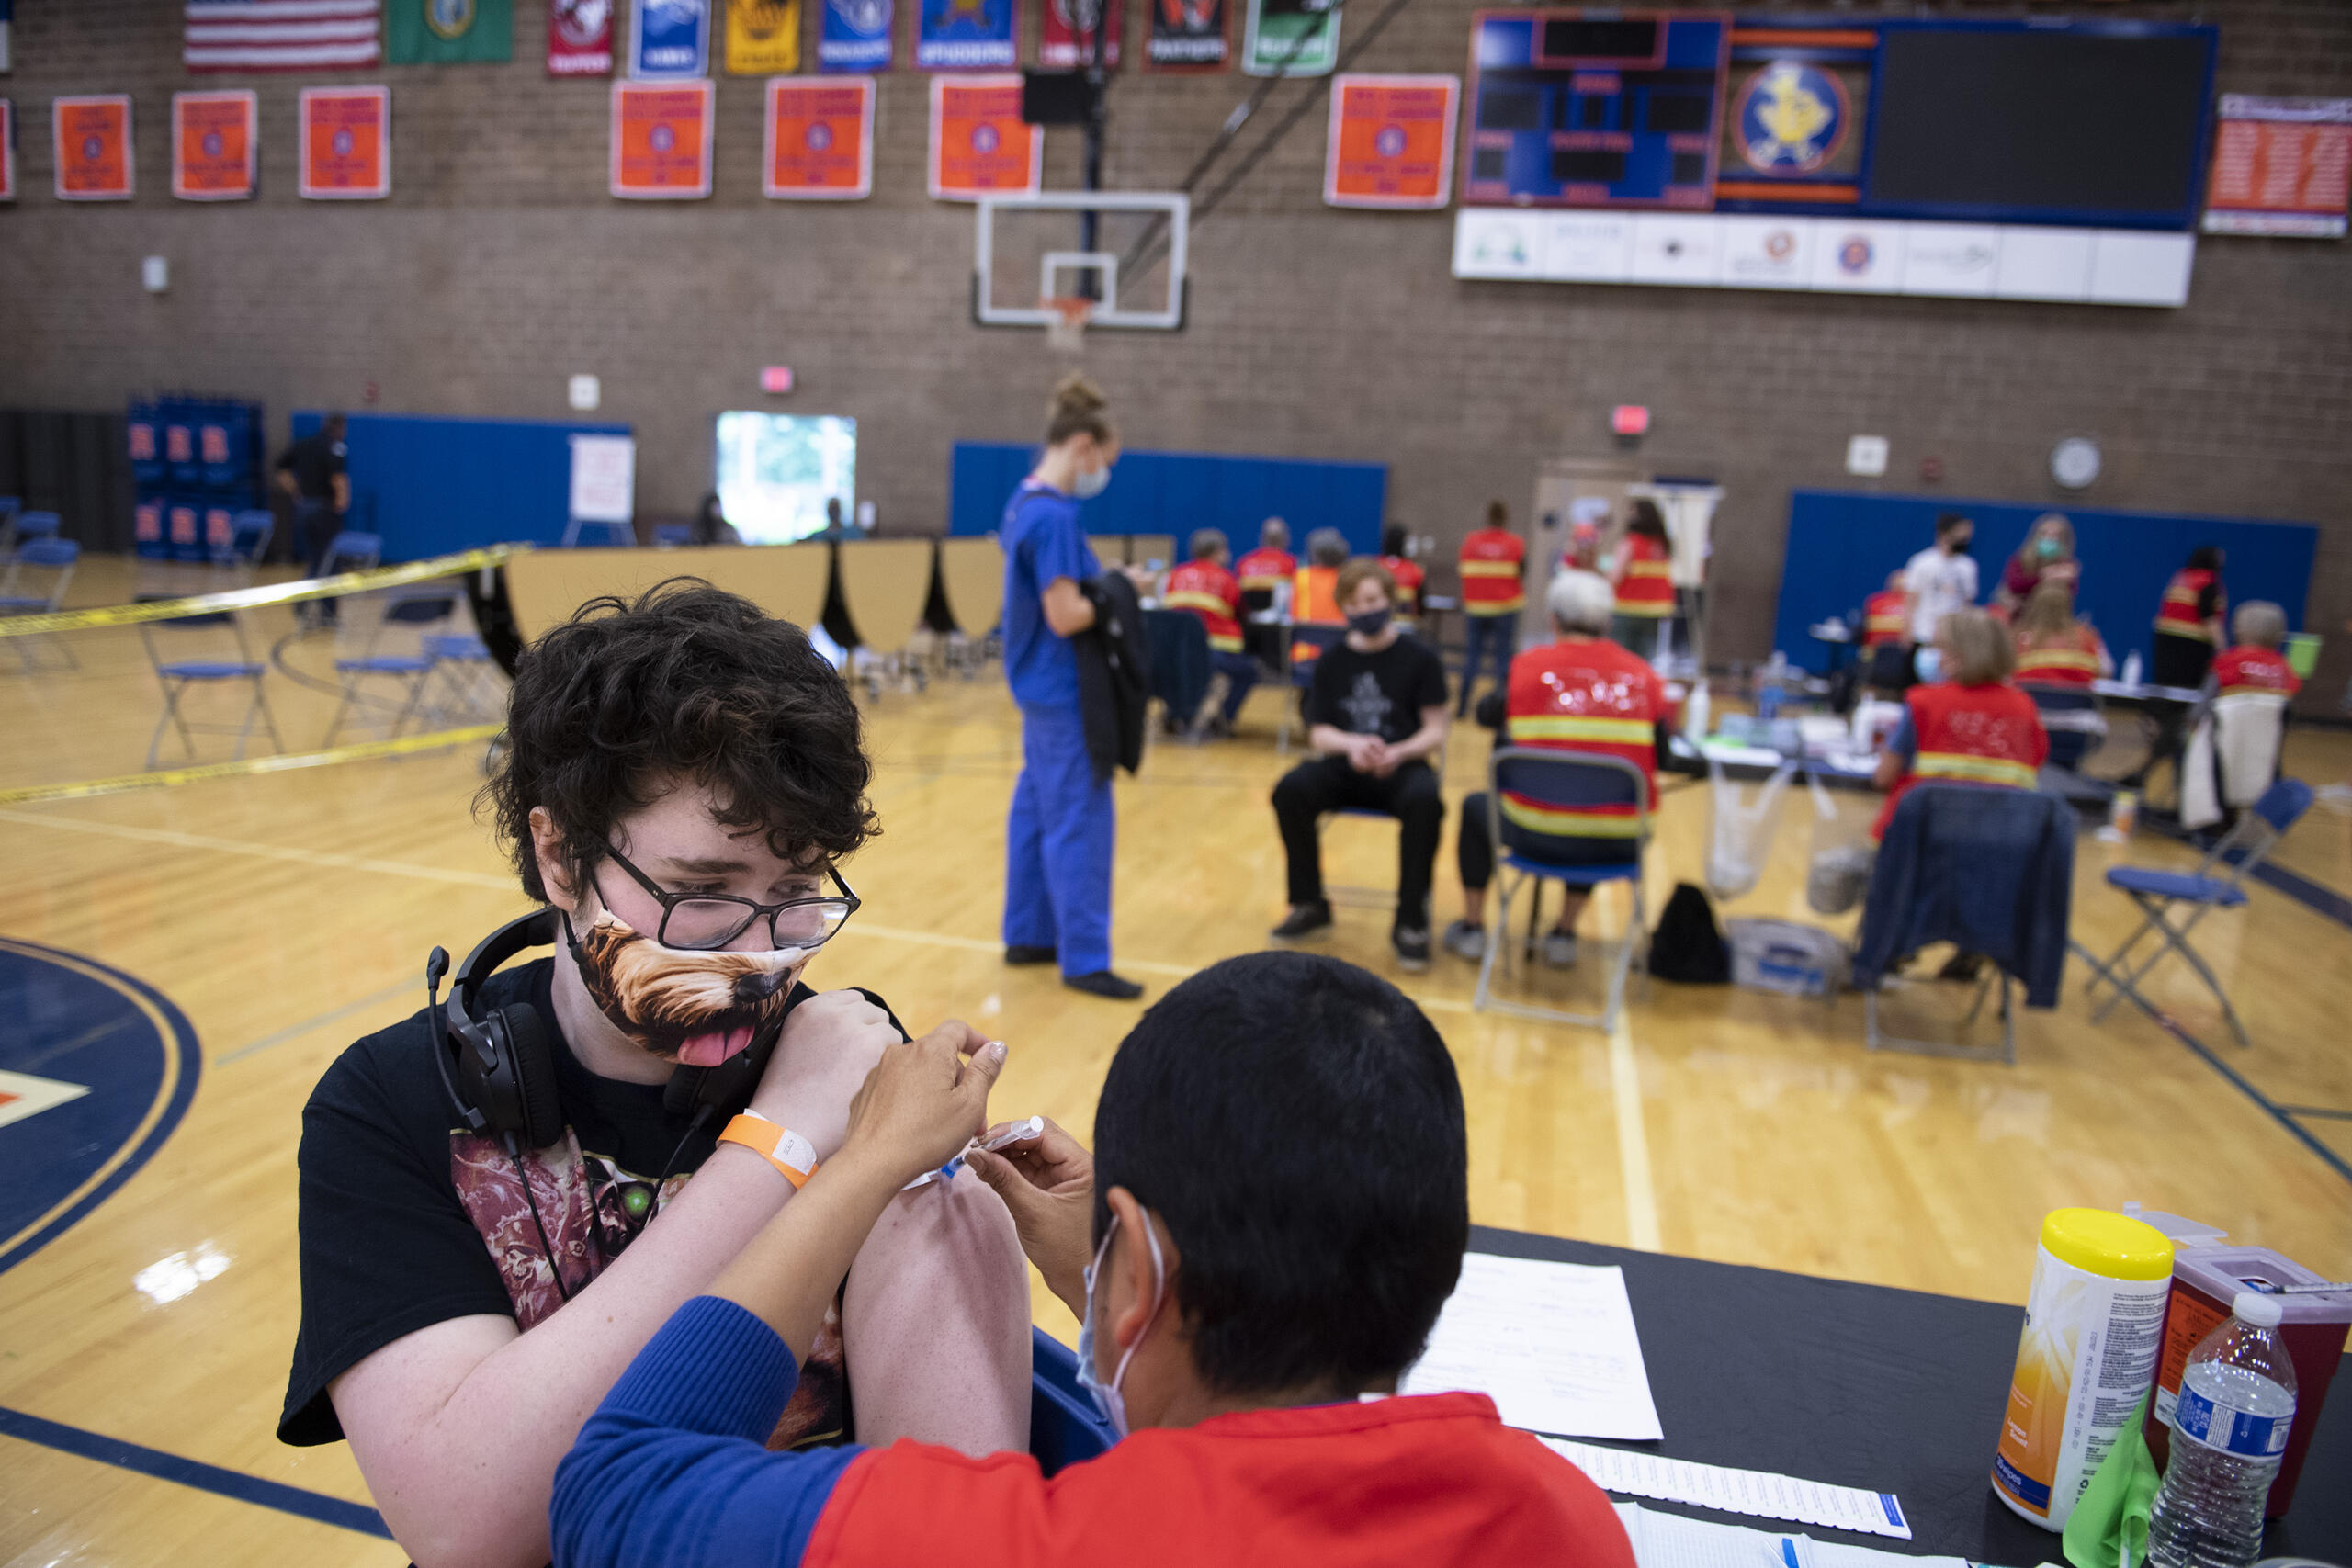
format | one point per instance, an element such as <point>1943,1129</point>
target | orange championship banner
<point>661,140</point>
<point>92,136</point>
<point>980,144</point>
<point>820,141</point>
<point>1391,141</point>
<point>7,151</point>
<point>213,146</point>
<point>347,144</point>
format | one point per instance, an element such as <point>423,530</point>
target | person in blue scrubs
<point>1058,839</point>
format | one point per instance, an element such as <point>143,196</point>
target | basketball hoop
<point>1066,332</point>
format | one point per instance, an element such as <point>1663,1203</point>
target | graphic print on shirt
<point>1366,707</point>
<point>592,1207</point>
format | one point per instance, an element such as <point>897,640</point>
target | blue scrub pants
<point>1058,846</point>
<point>1498,634</point>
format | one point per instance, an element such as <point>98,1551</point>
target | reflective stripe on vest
<point>2071,664</point>
<point>1579,821</point>
<point>1614,731</point>
<point>2176,615</point>
<point>1489,568</point>
<point>1885,618</point>
<point>1973,769</point>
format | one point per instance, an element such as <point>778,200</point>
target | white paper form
<point>1668,1540</point>
<point>1754,1492</point>
<point>1551,1344</point>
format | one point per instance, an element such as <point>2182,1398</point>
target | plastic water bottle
<point>2132,667</point>
<point>2229,1433</point>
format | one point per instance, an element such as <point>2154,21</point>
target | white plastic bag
<point>1837,874</point>
<point>1784,956</point>
<point>1740,831</point>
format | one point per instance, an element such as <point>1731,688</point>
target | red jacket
<point>2177,616</point>
<point>2072,661</point>
<point>2237,670</point>
<point>1644,577</point>
<point>1584,694</point>
<point>1978,735</point>
<point>1209,591</point>
<point>1491,561</point>
<point>1262,569</point>
<point>1886,618</point>
<point>1428,1481</point>
<point>1408,578</point>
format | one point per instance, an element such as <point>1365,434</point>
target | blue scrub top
<point>1042,541</point>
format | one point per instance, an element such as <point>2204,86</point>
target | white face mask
<point>1090,482</point>
<point>1930,665</point>
<point>1107,1396</point>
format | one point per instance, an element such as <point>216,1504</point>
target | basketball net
<point>1066,332</point>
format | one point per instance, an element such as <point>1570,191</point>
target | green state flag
<point>444,32</point>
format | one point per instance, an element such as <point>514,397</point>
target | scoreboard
<point>1582,108</point>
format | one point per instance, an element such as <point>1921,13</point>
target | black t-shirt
<point>407,1220</point>
<point>1376,694</point>
<point>313,461</point>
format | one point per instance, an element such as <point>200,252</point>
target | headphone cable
<point>554,1269</point>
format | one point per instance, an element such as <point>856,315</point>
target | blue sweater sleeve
<point>672,1468</point>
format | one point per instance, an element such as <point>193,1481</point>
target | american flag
<point>281,35</point>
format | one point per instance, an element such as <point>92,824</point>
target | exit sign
<point>1629,419</point>
<point>777,378</point>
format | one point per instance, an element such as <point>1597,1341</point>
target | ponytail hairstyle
<point>1497,514</point>
<point>1647,521</point>
<point>1079,408</point>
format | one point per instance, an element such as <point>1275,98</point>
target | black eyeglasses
<point>702,922</point>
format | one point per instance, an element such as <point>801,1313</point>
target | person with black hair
<point>1258,1249</point>
<point>2189,620</point>
<point>682,778</point>
<point>312,471</point>
<point>710,526</point>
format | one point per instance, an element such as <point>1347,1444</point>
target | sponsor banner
<point>669,38</point>
<point>92,136</point>
<point>661,140</point>
<point>855,35</point>
<point>580,37</point>
<point>819,143</point>
<point>1190,35</point>
<point>1290,38</point>
<point>967,35</point>
<point>980,144</point>
<point>1064,45</point>
<point>448,32</point>
<point>212,146</point>
<point>7,151</point>
<point>346,143</point>
<point>763,38</point>
<point>2280,166</point>
<point>1391,141</point>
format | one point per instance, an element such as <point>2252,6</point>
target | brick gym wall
<point>500,267</point>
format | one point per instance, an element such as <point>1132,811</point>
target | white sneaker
<point>1466,940</point>
<point>1560,950</point>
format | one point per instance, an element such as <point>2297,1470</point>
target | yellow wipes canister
<point>2094,1323</point>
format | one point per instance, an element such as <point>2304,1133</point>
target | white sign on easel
<point>603,479</point>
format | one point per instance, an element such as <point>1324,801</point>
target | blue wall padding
<point>1175,492</point>
<point>433,486</point>
<point>1843,543</point>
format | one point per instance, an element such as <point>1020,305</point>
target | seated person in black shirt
<point>682,776</point>
<point>1375,711</point>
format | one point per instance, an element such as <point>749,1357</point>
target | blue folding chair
<point>347,551</point>
<point>35,525</point>
<point>424,604</point>
<point>55,557</point>
<point>1569,783</point>
<point>2217,882</point>
<point>1323,637</point>
<point>1064,1425</point>
<point>177,676</point>
<point>462,663</point>
<point>248,541</point>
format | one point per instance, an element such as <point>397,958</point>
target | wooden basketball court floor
<point>286,914</point>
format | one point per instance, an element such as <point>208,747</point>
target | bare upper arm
<point>388,1396</point>
<point>1068,610</point>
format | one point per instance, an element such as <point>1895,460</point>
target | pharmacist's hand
<point>924,1101</point>
<point>1047,1182</point>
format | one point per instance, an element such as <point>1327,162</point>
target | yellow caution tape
<point>163,778</point>
<point>293,593</point>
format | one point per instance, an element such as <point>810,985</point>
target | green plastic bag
<point>2108,1528</point>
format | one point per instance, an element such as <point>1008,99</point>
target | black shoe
<point>1300,921</point>
<point>1102,982</point>
<point>1412,946</point>
<point>1019,953</point>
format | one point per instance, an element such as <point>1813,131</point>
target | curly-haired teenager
<point>458,1326</point>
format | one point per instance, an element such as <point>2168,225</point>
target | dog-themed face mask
<point>691,1008</point>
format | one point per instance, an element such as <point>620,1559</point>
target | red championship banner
<point>93,142</point>
<point>7,151</point>
<point>346,143</point>
<point>661,140</point>
<point>1063,45</point>
<point>580,37</point>
<point>1391,141</point>
<point>820,145</point>
<point>213,146</point>
<point>980,144</point>
<point>2280,166</point>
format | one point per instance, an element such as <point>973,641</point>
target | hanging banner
<point>580,37</point>
<point>966,35</point>
<point>980,144</point>
<point>448,32</point>
<point>855,35</point>
<point>763,38</point>
<point>7,151</point>
<point>2280,166</point>
<point>1391,141</point>
<point>92,136</point>
<point>1064,45</point>
<point>346,143</point>
<point>212,146</point>
<point>819,143</point>
<point>669,38</point>
<point>8,62</point>
<point>661,140</point>
<point>1189,35</point>
<point>1290,38</point>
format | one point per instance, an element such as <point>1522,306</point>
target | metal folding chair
<point>248,541</point>
<point>178,676</point>
<point>55,557</point>
<point>2217,882</point>
<point>425,604</point>
<point>1567,781</point>
<point>462,664</point>
<point>36,525</point>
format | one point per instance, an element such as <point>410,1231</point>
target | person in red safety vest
<point>1493,561</point>
<point>2053,648</point>
<point>1580,693</point>
<point>1966,722</point>
<point>1202,586</point>
<point>2189,621</point>
<point>1645,579</point>
<point>2254,664</point>
<point>1407,575</point>
<point>1886,638</point>
<point>1267,567</point>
